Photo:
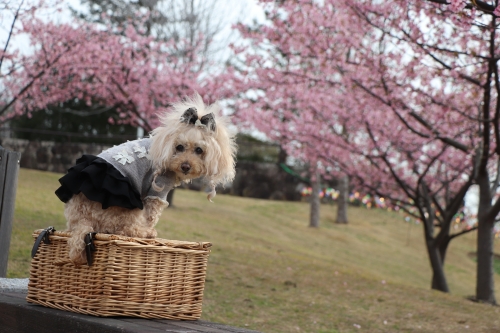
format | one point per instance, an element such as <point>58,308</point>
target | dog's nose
<point>185,167</point>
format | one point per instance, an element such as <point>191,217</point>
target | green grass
<point>270,272</point>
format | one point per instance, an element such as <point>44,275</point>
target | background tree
<point>93,65</point>
<point>388,95</point>
<point>451,92</point>
<point>315,200</point>
<point>188,31</point>
<point>342,199</point>
<point>83,64</point>
<point>190,24</point>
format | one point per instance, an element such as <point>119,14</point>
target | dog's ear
<point>220,159</point>
<point>161,149</point>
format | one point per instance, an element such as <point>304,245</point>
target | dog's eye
<point>179,148</point>
<point>198,151</point>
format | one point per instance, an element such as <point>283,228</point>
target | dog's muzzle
<point>185,167</point>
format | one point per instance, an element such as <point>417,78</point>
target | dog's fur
<point>215,164</point>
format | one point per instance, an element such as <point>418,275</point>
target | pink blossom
<point>497,11</point>
<point>131,72</point>
<point>457,5</point>
<point>381,93</point>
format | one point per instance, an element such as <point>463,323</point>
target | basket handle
<point>89,247</point>
<point>44,235</point>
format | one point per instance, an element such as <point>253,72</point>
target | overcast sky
<point>233,11</point>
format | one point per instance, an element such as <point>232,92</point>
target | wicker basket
<point>147,278</point>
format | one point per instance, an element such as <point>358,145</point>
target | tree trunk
<point>434,252</point>
<point>315,204</point>
<point>485,283</point>
<point>342,200</point>
<point>485,286</point>
<point>282,156</point>
<point>438,277</point>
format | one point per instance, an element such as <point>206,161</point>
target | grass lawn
<point>269,271</point>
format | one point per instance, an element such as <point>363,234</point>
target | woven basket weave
<point>147,278</point>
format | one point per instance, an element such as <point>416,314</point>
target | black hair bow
<point>190,116</point>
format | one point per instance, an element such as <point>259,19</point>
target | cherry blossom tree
<point>400,96</point>
<point>129,71</point>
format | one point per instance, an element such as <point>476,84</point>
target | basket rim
<point>135,241</point>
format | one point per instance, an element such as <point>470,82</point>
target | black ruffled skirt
<point>99,181</point>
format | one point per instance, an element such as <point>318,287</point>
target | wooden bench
<point>9,169</point>
<point>19,316</point>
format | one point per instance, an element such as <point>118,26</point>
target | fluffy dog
<point>123,190</point>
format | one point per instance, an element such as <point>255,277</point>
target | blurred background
<point>348,114</point>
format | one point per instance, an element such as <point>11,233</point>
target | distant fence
<point>62,136</point>
<point>9,170</point>
<point>59,156</point>
<point>49,155</point>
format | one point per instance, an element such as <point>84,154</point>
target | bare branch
<point>448,141</point>
<point>481,5</point>
<point>10,33</point>
<point>463,232</point>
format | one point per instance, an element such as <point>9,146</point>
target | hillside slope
<point>268,271</point>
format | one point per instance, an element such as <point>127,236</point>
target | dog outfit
<point>119,176</point>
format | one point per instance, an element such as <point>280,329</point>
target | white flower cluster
<point>123,157</point>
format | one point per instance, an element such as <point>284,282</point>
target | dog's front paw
<point>152,234</point>
<point>145,233</point>
<point>78,257</point>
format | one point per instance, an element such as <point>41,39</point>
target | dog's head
<point>194,141</point>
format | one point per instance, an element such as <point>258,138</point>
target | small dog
<point>123,190</point>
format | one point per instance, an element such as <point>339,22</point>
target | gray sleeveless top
<point>133,161</point>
